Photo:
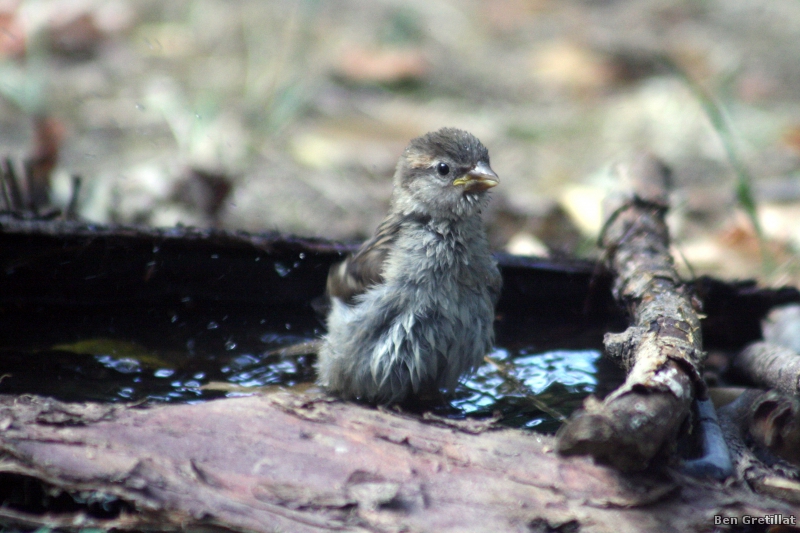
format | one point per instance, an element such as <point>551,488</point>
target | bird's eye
<point>443,169</point>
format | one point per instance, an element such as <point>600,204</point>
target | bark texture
<point>763,433</point>
<point>662,349</point>
<point>769,365</point>
<point>300,463</point>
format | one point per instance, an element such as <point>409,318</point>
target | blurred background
<point>290,115</point>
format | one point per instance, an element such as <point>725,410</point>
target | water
<point>193,355</point>
<point>530,390</point>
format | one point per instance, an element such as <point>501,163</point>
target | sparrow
<point>412,311</point>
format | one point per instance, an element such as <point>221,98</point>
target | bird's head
<point>443,174</point>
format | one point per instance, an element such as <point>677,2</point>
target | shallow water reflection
<point>528,384</point>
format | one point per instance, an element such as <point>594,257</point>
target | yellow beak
<point>479,178</point>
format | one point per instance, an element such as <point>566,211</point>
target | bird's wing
<point>363,269</point>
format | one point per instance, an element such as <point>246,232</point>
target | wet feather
<point>413,309</point>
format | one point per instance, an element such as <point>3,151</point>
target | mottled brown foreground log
<point>662,350</point>
<point>288,462</point>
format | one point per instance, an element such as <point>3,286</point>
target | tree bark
<point>300,463</point>
<point>662,349</point>
<point>760,427</point>
<point>769,365</point>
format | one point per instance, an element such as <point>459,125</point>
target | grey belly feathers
<point>429,322</point>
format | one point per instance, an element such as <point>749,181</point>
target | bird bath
<point>120,314</point>
<point>203,352</point>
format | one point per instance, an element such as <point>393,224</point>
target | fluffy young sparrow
<point>413,310</point>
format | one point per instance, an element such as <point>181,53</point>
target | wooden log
<point>771,366</point>
<point>662,349</point>
<point>768,423</point>
<point>301,463</point>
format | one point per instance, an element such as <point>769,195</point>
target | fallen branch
<point>662,350</point>
<point>304,464</point>
<point>771,366</point>
<point>749,422</point>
